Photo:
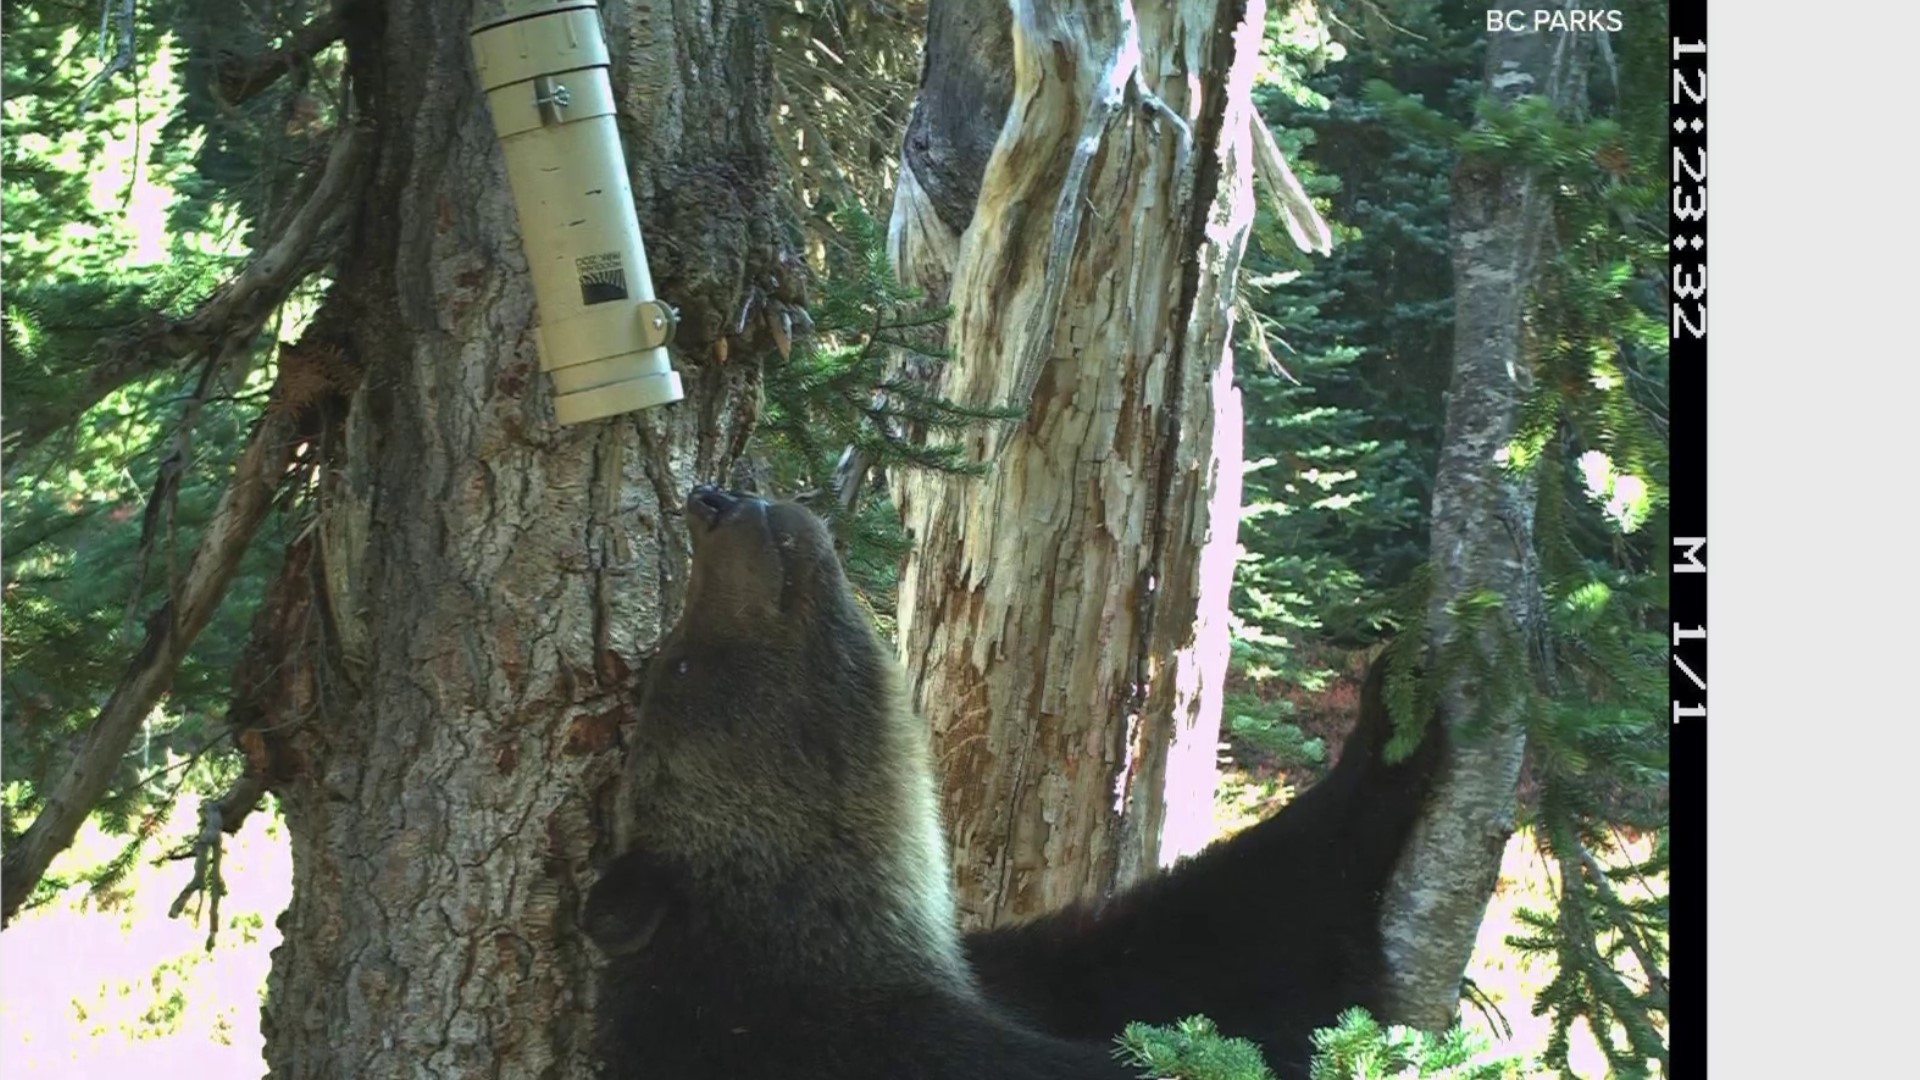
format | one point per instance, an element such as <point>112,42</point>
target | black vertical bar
<point>1687,402</point>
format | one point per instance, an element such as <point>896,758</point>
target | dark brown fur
<point>781,905</point>
<point>775,766</point>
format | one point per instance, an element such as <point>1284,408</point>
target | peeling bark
<point>1482,539</point>
<point>494,581</point>
<point>1063,618</point>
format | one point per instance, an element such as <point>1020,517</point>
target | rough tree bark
<point>1063,619</point>
<point>490,581</point>
<point>1482,539</point>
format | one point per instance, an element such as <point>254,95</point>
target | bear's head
<point>775,766</point>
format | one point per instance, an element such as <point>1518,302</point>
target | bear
<point>780,901</point>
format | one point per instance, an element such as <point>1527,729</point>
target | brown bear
<point>780,905</point>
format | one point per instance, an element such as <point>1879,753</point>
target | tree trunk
<point>492,581</point>
<point>1482,540</point>
<point>1063,618</point>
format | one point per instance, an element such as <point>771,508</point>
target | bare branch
<point>242,78</point>
<point>217,818</point>
<point>163,501</point>
<point>850,475</point>
<point>1379,14</point>
<point>122,59</point>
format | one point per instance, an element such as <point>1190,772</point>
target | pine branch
<point>171,630</point>
<point>1596,875</point>
<point>235,313</point>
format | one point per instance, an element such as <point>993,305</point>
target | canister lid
<point>494,12</point>
<point>625,397</point>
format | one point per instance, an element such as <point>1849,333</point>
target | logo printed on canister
<point>603,278</point>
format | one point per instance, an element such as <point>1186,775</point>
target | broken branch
<point>239,79</point>
<point>217,818</point>
<point>1304,223</point>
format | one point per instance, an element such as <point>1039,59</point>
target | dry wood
<point>1063,618</point>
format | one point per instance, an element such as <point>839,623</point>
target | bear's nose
<point>712,505</point>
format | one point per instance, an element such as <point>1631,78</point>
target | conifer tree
<point>1384,124</point>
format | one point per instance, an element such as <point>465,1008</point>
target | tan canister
<point>601,332</point>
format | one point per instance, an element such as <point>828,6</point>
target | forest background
<point>141,170</point>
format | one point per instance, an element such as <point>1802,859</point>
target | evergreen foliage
<point>821,396</point>
<point>1269,730</point>
<point>108,229</point>
<point>87,180</point>
<point>134,194</point>
<point>1346,357</point>
<point>1342,456</point>
<point>1359,1048</point>
<point>253,149</point>
<point>838,389</point>
<point>1192,1049</point>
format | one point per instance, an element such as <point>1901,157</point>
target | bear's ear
<point>625,908</point>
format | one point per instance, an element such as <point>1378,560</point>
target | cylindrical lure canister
<point>601,333</point>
